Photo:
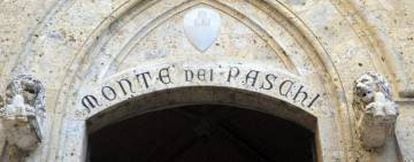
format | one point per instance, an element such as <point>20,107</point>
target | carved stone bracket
<point>376,112</point>
<point>23,113</point>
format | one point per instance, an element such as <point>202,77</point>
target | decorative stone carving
<point>376,112</point>
<point>202,26</point>
<point>24,112</point>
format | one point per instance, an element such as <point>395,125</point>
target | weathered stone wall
<point>75,47</point>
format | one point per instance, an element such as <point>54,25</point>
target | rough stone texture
<point>77,46</point>
<point>404,134</point>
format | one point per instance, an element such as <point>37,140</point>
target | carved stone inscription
<point>176,75</point>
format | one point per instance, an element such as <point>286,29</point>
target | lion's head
<point>31,89</point>
<point>368,84</point>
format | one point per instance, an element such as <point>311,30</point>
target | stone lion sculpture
<point>24,112</point>
<point>375,110</point>
<point>25,91</point>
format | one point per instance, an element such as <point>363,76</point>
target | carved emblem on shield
<point>202,27</point>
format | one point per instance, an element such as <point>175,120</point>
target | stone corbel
<point>23,113</point>
<point>376,112</point>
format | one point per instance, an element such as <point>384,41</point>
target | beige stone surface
<point>404,133</point>
<point>74,47</point>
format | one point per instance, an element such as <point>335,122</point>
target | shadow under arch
<point>196,95</point>
<point>248,103</point>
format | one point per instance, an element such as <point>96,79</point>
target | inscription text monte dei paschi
<point>171,75</point>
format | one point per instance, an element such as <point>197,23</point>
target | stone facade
<point>89,61</point>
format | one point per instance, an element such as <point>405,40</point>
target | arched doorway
<point>202,133</point>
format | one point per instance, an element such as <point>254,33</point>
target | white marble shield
<point>202,27</point>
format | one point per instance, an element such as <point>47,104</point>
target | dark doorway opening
<point>202,133</point>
